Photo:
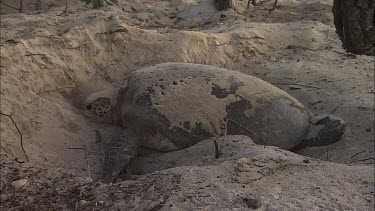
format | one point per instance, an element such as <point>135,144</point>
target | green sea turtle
<point>172,106</point>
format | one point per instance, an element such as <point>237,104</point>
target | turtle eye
<point>89,107</point>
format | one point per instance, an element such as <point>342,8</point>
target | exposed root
<point>19,132</point>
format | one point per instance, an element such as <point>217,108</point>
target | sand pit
<point>49,62</point>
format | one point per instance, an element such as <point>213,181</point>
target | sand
<point>46,55</point>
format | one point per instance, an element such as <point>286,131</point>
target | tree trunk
<point>223,4</point>
<point>355,25</point>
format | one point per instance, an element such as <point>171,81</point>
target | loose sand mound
<point>245,176</point>
<point>46,56</point>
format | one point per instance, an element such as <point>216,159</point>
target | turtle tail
<point>325,130</point>
<point>119,152</point>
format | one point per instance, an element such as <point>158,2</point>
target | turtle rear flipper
<point>119,152</point>
<point>324,130</point>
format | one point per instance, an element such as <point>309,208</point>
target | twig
<point>28,204</point>
<point>158,206</point>
<point>353,56</point>
<point>357,154</point>
<point>225,134</point>
<point>65,11</point>
<point>313,104</point>
<point>268,127</point>
<point>240,125</point>
<point>98,137</point>
<point>19,132</point>
<point>21,6</point>
<point>335,109</point>
<point>76,148</point>
<point>66,6</point>
<point>243,127</point>
<point>57,169</point>
<point>297,84</point>
<point>327,154</point>
<point>273,8</point>
<point>254,3</point>
<point>226,131</point>
<point>11,6</point>
<point>19,161</point>
<point>217,148</point>
<point>362,160</point>
<point>81,185</point>
<point>143,188</point>
<point>217,154</point>
<point>319,101</point>
<point>86,205</point>
<point>53,90</point>
<point>105,72</point>
<point>35,54</point>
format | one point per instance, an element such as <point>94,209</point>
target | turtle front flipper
<point>119,152</point>
<point>324,130</point>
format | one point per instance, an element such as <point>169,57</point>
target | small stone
<point>253,202</point>
<point>30,199</point>
<point>368,129</point>
<point>82,202</point>
<point>3,198</point>
<point>18,183</point>
<point>306,161</point>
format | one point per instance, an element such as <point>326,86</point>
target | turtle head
<point>99,106</point>
<point>325,130</point>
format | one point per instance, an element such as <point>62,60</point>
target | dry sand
<point>45,56</point>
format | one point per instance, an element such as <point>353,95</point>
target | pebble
<point>306,161</point>
<point>19,183</point>
<point>253,202</point>
<point>82,202</point>
<point>3,198</point>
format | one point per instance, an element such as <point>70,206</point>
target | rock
<point>19,183</point>
<point>306,161</point>
<point>253,202</point>
<point>3,198</point>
